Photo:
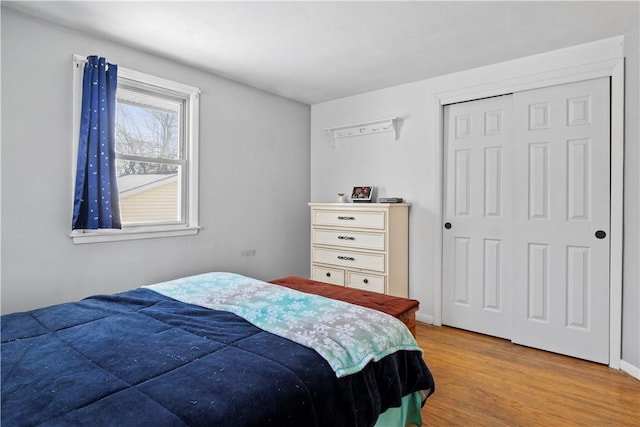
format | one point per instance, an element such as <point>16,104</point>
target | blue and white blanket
<point>347,336</point>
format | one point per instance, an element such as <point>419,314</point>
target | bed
<point>208,350</point>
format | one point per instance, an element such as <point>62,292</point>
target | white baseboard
<point>424,318</point>
<point>627,367</point>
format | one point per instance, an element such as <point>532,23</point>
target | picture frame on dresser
<point>362,194</point>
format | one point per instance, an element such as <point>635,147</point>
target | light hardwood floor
<point>486,381</point>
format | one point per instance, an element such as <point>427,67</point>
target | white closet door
<point>476,247</point>
<point>561,177</point>
<point>527,199</point>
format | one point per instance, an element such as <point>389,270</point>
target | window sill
<point>98,236</point>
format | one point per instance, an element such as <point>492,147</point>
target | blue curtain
<point>96,202</point>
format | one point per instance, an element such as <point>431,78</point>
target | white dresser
<point>361,245</point>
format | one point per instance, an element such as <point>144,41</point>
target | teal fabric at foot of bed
<point>407,414</point>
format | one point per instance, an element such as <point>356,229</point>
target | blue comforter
<point>140,358</point>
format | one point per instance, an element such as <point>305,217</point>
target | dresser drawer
<point>354,219</point>
<point>368,282</point>
<point>350,259</point>
<point>350,239</point>
<point>328,275</point>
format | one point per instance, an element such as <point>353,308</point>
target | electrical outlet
<point>248,252</point>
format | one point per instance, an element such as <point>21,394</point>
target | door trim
<point>504,84</point>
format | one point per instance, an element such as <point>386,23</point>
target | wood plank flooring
<point>486,381</point>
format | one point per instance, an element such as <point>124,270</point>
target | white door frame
<point>504,84</point>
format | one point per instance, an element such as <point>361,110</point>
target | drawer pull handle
<point>328,274</point>
<point>365,281</point>
<point>348,218</point>
<point>346,238</point>
<point>346,258</point>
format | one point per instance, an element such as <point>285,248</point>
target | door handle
<point>601,234</point>
<point>447,225</point>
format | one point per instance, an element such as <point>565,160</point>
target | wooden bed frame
<point>400,308</point>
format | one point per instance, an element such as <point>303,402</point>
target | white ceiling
<point>318,51</point>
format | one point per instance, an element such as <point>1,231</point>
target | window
<point>150,156</point>
<point>157,156</point>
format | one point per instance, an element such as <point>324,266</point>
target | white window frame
<point>190,226</point>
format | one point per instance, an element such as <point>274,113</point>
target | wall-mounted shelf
<point>364,128</point>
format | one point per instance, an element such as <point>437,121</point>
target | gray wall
<point>410,168</point>
<point>254,177</point>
